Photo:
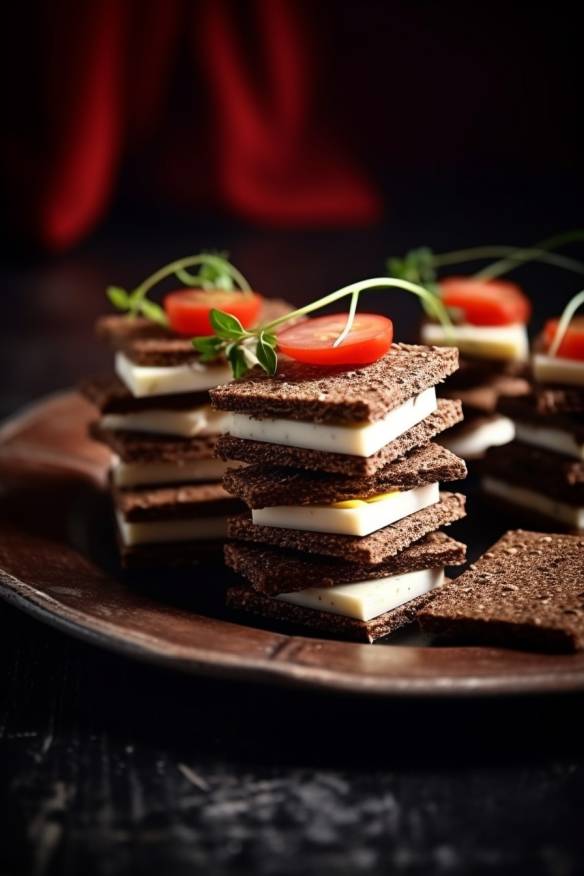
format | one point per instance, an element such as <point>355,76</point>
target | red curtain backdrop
<point>283,112</point>
<point>249,138</point>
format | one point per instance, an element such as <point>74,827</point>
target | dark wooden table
<point>110,767</point>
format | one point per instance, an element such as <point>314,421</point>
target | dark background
<point>439,123</point>
<point>287,113</point>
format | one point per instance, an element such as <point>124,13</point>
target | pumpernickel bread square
<point>175,502</point>
<point>527,591</point>
<point>527,410</point>
<point>324,622</point>
<point>262,486</point>
<point>146,447</point>
<point>273,571</point>
<point>536,469</point>
<point>369,549</point>
<point>111,396</point>
<point>448,414</point>
<point>341,395</point>
<point>146,343</point>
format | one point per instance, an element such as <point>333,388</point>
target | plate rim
<point>276,668</point>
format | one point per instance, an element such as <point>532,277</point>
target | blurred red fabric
<point>240,132</point>
<point>283,112</point>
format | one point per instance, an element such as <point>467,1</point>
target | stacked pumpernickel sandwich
<point>342,484</point>
<point>155,415</point>
<point>540,476</point>
<point>489,330</point>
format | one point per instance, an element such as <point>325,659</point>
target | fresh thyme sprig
<point>258,346</point>
<point>421,265</point>
<point>215,271</point>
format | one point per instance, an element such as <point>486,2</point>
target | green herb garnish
<point>421,265</point>
<point>215,271</point>
<point>246,348</point>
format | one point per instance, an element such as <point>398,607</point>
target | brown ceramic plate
<point>57,562</point>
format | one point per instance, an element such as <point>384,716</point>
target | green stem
<point>513,253</point>
<point>356,288</point>
<point>350,320</point>
<point>565,320</point>
<point>502,266</point>
<point>190,261</point>
<point>473,253</point>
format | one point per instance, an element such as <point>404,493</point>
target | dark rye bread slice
<point>526,591</point>
<point>146,343</point>
<point>324,622</point>
<point>142,447</point>
<point>111,396</point>
<point>119,330</point>
<point>474,372</point>
<point>274,571</point>
<point>371,549</point>
<point>341,395</point>
<point>175,502</point>
<point>447,415</point>
<point>527,410</point>
<point>261,486</point>
<point>483,399</point>
<point>542,471</point>
<point>559,399</point>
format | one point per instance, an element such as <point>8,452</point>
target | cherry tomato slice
<point>312,340</point>
<point>188,309</point>
<point>486,302</point>
<point>572,346</point>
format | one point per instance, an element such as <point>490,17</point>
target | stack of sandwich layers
<point>156,417</point>
<point>493,366</point>
<point>343,491</point>
<point>540,476</point>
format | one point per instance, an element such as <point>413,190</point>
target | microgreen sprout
<point>215,271</point>
<point>421,265</point>
<point>245,348</point>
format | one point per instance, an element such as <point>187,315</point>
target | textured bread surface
<point>340,395</point>
<point>448,414</point>
<point>261,486</point>
<point>526,591</point>
<point>326,623</point>
<point>175,502</point>
<point>271,570</point>
<point>369,549</point>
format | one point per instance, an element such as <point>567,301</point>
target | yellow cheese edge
<point>358,502</point>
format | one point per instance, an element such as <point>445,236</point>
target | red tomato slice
<point>312,340</point>
<point>486,302</point>
<point>188,309</point>
<point>572,346</point>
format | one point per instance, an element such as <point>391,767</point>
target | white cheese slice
<point>361,520</point>
<point>508,342</point>
<point>554,369</point>
<point>361,440</point>
<point>186,424</point>
<point>365,600</point>
<point>550,439</point>
<point>472,444</point>
<point>570,515</point>
<point>135,474</point>
<point>161,531</point>
<point>147,380</point>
